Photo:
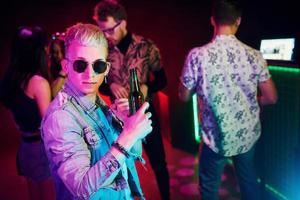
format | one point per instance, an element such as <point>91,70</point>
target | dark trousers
<point>211,167</point>
<point>154,149</point>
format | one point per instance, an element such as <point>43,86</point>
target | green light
<point>278,194</point>
<point>195,115</point>
<point>273,190</point>
<point>284,69</point>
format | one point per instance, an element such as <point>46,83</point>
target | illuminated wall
<point>278,155</point>
<point>278,150</point>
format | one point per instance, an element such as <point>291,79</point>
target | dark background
<point>176,27</point>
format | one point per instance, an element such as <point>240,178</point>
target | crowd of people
<point>76,146</point>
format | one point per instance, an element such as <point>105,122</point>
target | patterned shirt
<point>225,74</point>
<point>142,53</point>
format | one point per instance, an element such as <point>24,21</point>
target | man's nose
<point>89,71</point>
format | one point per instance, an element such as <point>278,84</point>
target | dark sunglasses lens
<point>99,66</point>
<point>79,66</point>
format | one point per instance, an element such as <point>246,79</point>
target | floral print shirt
<point>142,53</point>
<point>225,74</point>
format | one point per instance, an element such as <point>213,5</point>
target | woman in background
<point>25,91</point>
<point>56,54</point>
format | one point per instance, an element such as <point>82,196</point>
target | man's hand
<point>121,108</point>
<point>118,91</point>
<point>138,125</point>
<point>144,90</point>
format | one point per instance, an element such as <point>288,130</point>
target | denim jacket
<point>77,135</point>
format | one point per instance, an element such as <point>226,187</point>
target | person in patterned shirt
<point>128,50</point>
<point>227,75</point>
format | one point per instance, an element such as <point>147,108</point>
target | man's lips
<point>89,82</point>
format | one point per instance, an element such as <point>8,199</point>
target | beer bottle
<point>135,97</point>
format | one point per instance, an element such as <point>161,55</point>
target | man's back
<point>226,76</point>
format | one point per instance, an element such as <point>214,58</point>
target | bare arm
<point>57,85</point>
<point>39,89</point>
<point>268,92</point>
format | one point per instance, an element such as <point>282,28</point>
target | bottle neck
<point>134,83</point>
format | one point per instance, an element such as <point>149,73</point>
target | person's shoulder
<point>58,117</point>
<point>251,50</point>
<point>61,101</point>
<point>60,104</point>
<point>37,86</point>
<point>38,83</point>
<point>198,50</point>
<point>38,79</point>
<point>141,39</point>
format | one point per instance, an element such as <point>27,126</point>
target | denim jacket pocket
<point>91,137</point>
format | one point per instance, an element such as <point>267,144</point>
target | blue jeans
<point>211,166</point>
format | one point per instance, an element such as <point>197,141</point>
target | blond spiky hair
<point>86,35</point>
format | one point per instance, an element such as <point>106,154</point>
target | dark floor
<point>183,169</point>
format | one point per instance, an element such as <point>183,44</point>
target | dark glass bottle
<point>135,97</point>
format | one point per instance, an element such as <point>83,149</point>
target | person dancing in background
<point>128,50</point>
<point>56,54</point>
<point>25,91</point>
<point>92,148</point>
<point>226,74</point>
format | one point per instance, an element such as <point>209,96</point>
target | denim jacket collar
<point>84,101</point>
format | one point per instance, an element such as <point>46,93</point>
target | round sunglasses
<point>99,66</point>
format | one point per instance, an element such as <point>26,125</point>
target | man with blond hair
<point>92,148</point>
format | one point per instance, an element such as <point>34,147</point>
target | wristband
<point>127,153</point>
<point>121,149</point>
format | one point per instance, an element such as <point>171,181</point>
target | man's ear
<point>212,21</point>
<point>238,21</point>
<point>95,18</point>
<point>64,65</point>
<point>124,24</point>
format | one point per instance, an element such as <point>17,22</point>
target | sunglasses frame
<point>111,30</point>
<point>86,65</point>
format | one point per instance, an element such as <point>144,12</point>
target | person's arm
<point>158,79</point>
<point>268,92</point>
<point>57,84</point>
<point>184,94</point>
<point>120,108</point>
<point>118,91</point>
<point>189,77</point>
<point>135,129</point>
<point>68,151</point>
<point>39,88</point>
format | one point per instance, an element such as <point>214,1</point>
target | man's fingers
<point>143,108</point>
<point>121,100</point>
<point>148,114</point>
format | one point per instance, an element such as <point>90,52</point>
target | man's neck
<point>225,30</point>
